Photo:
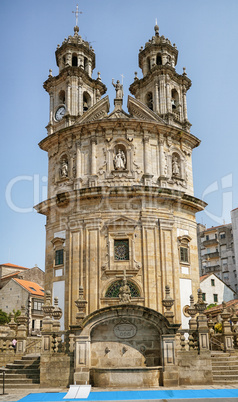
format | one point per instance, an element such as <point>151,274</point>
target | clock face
<point>60,112</point>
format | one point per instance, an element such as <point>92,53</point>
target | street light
<point>3,370</point>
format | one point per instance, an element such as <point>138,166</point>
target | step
<point>21,366</point>
<point>21,386</point>
<point>224,372</point>
<point>22,375</point>
<point>23,371</point>
<point>21,381</point>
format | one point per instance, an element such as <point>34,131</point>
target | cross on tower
<point>77,12</point>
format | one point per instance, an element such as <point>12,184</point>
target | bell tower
<point>73,91</point>
<point>162,89</point>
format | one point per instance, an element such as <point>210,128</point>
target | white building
<point>214,290</point>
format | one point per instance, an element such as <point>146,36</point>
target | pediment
<point>139,110</point>
<point>96,112</point>
<point>118,113</point>
<point>122,221</point>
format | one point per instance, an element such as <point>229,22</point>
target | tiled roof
<point>13,266</point>
<point>31,287</point>
<point>10,275</point>
<point>204,277</point>
<point>219,308</point>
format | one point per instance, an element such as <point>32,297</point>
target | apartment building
<point>216,253</point>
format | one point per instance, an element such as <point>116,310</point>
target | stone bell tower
<point>120,201</point>
<point>73,91</point>
<point>162,89</point>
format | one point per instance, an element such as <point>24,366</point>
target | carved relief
<point>125,329</point>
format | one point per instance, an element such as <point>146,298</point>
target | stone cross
<point>77,12</point>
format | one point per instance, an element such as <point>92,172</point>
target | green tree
<point>4,318</point>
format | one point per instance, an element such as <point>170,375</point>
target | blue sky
<point>206,34</point>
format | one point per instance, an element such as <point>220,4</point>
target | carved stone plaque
<point>125,330</point>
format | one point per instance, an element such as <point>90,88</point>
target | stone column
<point>156,97</point>
<point>185,115</point>
<point>51,107</point>
<point>168,98</point>
<point>147,176</point>
<point>74,105</point>
<point>78,161</point>
<point>89,68</point>
<point>162,95</point>
<point>227,335</point>
<point>161,155</point>
<point>93,156</point>
<point>68,98</point>
<point>202,326</point>
<point>80,96</point>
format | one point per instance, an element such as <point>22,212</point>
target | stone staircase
<point>23,373</point>
<point>224,368</point>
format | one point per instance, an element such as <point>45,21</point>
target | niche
<point>119,157</point>
<point>86,101</point>
<point>176,165</point>
<point>149,100</point>
<point>174,99</point>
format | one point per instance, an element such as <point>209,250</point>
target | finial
<point>77,12</point>
<point>156,28</point>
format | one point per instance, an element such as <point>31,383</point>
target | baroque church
<point>121,233</point>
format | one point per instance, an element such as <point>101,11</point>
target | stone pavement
<point>17,394</point>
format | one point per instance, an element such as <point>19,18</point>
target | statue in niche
<point>124,293</point>
<point>119,89</point>
<point>64,168</point>
<point>175,166</point>
<point>119,160</point>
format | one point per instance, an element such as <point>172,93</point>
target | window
<point>204,296</point>
<point>59,257</point>
<point>207,237</point>
<point>113,290</point>
<point>215,298</point>
<point>121,250</point>
<point>32,288</point>
<point>212,282</point>
<point>37,305</point>
<point>222,235</point>
<point>74,61</point>
<point>184,254</point>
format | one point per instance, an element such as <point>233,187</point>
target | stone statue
<point>120,160</point>
<point>119,89</point>
<point>64,168</point>
<point>124,293</point>
<point>175,166</point>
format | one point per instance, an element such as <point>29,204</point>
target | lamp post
<point>3,370</point>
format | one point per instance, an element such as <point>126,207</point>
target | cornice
<point>161,194</point>
<point>78,72</point>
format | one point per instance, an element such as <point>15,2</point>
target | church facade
<point>121,234</point>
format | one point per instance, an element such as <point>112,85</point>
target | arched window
<point>114,288</point>
<point>174,99</point>
<point>159,60</point>
<point>85,63</point>
<point>74,60</point>
<point>86,101</point>
<point>149,100</point>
